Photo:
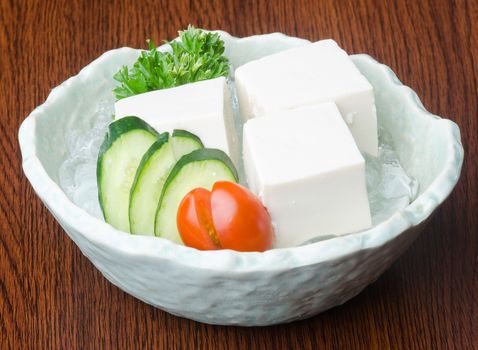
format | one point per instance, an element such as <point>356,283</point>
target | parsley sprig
<point>198,55</point>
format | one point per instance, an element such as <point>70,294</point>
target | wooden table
<point>52,297</point>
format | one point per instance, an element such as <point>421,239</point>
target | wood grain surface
<point>51,297</point>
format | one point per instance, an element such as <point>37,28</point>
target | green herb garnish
<point>198,55</point>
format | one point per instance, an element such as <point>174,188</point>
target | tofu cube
<point>203,108</point>
<point>306,168</point>
<point>311,74</point>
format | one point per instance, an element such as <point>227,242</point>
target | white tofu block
<point>310,74</point>
<point>307,170</point>
<point>203,108</point>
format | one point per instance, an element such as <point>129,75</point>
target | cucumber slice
<point>184,142</point>
<point>125,143</point>
<point>151,175</point>
<point>185,138</point>
<point>200,168</point>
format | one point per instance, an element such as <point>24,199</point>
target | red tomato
<point>228,217</point>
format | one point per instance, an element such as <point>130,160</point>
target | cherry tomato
<point>228,217</point>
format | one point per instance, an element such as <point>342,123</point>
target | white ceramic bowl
<point>227,287</point>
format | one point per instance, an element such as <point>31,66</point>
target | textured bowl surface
<point>226,287</point>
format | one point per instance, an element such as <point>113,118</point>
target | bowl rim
<point>229,261</point>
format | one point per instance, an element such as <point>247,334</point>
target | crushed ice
<point>389,187</point>
<point>77,173</point>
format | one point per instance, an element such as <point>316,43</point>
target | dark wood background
<point>52,297</point>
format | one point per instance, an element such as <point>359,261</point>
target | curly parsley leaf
<point>197,55</point>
